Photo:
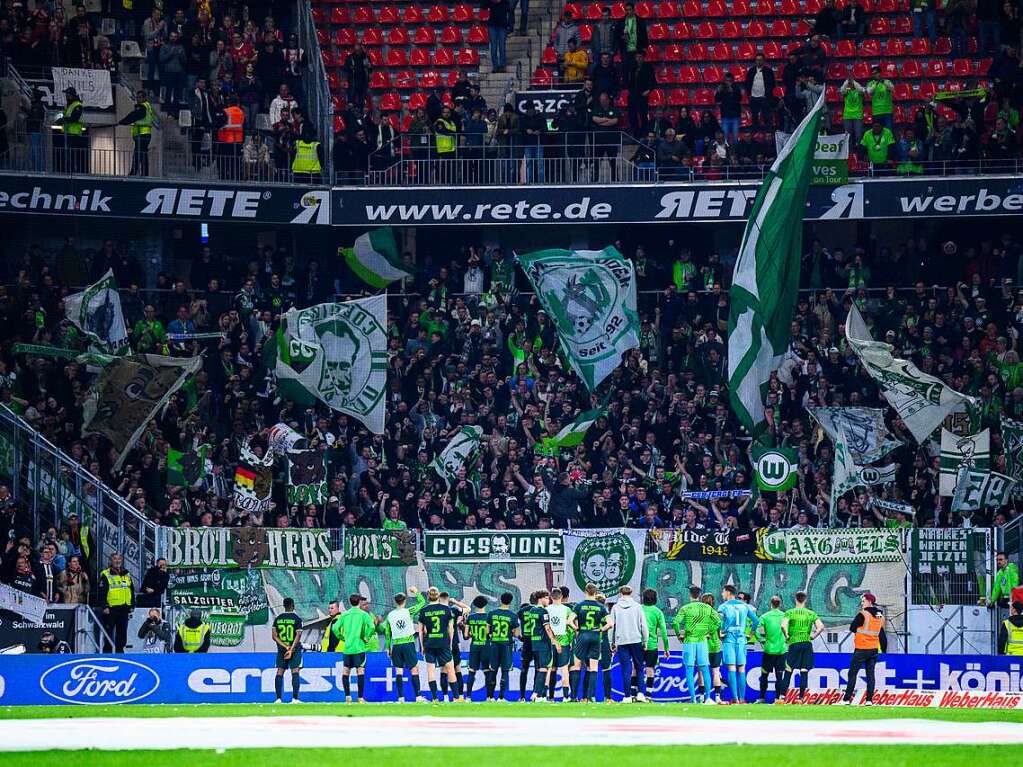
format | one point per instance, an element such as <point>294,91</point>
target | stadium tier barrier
<point>902,680</point>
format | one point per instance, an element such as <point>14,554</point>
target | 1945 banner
<point>292,548</point>
<point>487,545</point>
<point>726,545</point>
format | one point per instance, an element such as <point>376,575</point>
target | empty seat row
<point>373,37</point>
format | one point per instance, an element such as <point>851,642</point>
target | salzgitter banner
<point>962,681</point>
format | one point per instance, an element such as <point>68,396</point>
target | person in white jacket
<point>628,637</point>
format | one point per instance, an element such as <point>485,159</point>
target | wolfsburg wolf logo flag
<point>97,312</point>
<point>337,353</point>
<point>765,281</point>
<point>591,296</point>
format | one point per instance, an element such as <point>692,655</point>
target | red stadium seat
<point>468,57</point>
<point>925,91</point>
<point>845,49</point>
<point>658,32</point>
<point>901,115</point>
<point>419,57</point>
<point>721,52</point>
<point>674,53</point>
<point>703,97</point>
<point>319,17</point>
<point>364,15</point>
<point>936,68</point>
<point>430,79</point>
<point>413,15</point>
<point>902,92</point>
<point>390,102</point>
<point>836,71</point>
<point>831,94</point>
<point>346,37</point>
<point>656,98</point>
<point>712,75</point>
<point>911,69</point>
<point>618,11</point>
<point>483,14</point>
<point>780,28</point>
<point>549,57</point>
<point>622,101</point>
<point>646,10</point>
<point>894,47</point>
<point>919,46</point>
<point>417,101</point>
<point>388,16</point>
<point>790,8</point>
<point>323,37</point>
<point>681,31</point>
<point>902,25</point>
<point>870,49</point>
<point>741,9</point>
<point>678,98</point>
<point>738,72</point>
<point>745,51</point>
<point>424,36</point>
<point>731,29</point>
<point>585,33</point>
<point>756,29</point>
<point>763,8</point>
<point>451,35</point>
<point>668,10</point>
<point>333,81</point>
<point>379,80</point>
<point>653,54</point>
<point>478,35</point>
<point>339,124</point>
<point>340,15</point>
<point>443,58</point>
<point>878,26</point>
<point>665,76</point>
<point>716,9</point>
<point>337,103</point>
<point>375,56</point>
<point>463,14</point>
<point>405,80</point>
<point>542,78</point>
<point>706,30</point>
<point>438,14</point>
<point>373,36</point>
<point>395,37</point>
<point>691,9</point>
<point>396,57</point>
<point>772,51</point>
<point>594,11</point>
<point>688,75</point>
<point>327,57</point>
<point>943,46</point>
<point>698,52</point>
<point>861,71</point>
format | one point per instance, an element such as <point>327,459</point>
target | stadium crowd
<point>469,346</point>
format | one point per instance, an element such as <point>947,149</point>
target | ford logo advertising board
<point>96,681</point>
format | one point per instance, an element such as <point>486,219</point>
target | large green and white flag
<point>575,432</point>
<point>374,258</point>
<point>188,468</point>
<point>591,295</point>
<point>849,474</point>
<point>96,311</point>
<point>863,428</point>
<point>460,453</point>
<point>960,458</point>
<point>921,400</point>
<point>982,490</point>
<point>337,353</point>
<point>765,281</point>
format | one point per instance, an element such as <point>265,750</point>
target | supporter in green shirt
<point>880,91</point>
<point>877,141</point>
<point>773,638</point>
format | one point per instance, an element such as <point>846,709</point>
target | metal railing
<point>53,486</point>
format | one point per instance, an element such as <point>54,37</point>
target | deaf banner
<point>292,548</point>
<point>489,545</point>
<point>379,548</point>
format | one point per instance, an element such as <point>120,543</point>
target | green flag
<point>97,312</point>
<point>775,468</point>
<point>575,432</point>
<point>186,469</point>
<point>460,453</point>
<point>336,353</point>
<point>591,296</point>
<point>765,281</point>
<point>374,258</point>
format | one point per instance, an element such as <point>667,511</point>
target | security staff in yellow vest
<point>193,634</point>
<point>141,119</point>
<point>869,640</point>
<point>445,138</point>
<point>117,598</point>
<point>1010,633</point>
<point>308,158</point>
<point>332,642</point>
<point>69,140</point>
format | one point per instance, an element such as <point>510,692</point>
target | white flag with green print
<point>338,354</point>
<point>96,311</point>
<point>460,453</point>
<point>765,281</point>
<point>374,258</point>
<point>575,432</point>
<point>591,295</point>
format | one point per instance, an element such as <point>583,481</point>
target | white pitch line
<point>297,731</point>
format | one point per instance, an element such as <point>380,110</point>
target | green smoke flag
<point>591,296</point>
<point>336,353</point>
<point>188,468</point>
<point>374,258</point>
<point>765,281</point>
<point>575,432</point>
<point>97,312</point>
<point>460,453</point>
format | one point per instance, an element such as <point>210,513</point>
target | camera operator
<point>155,633</point>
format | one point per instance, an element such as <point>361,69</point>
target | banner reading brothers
<point>337,353</point>
<point>591,296</point>
<point>608,558</point>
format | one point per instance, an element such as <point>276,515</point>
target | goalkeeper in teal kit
<point>736,618</point>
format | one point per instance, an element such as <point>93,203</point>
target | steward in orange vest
<point>869,639</point>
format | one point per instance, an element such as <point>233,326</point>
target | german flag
<point>245,477</point>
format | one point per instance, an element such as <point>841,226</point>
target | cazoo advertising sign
<point>966,681</point>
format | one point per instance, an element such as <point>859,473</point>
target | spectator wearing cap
<point>869,640</point>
